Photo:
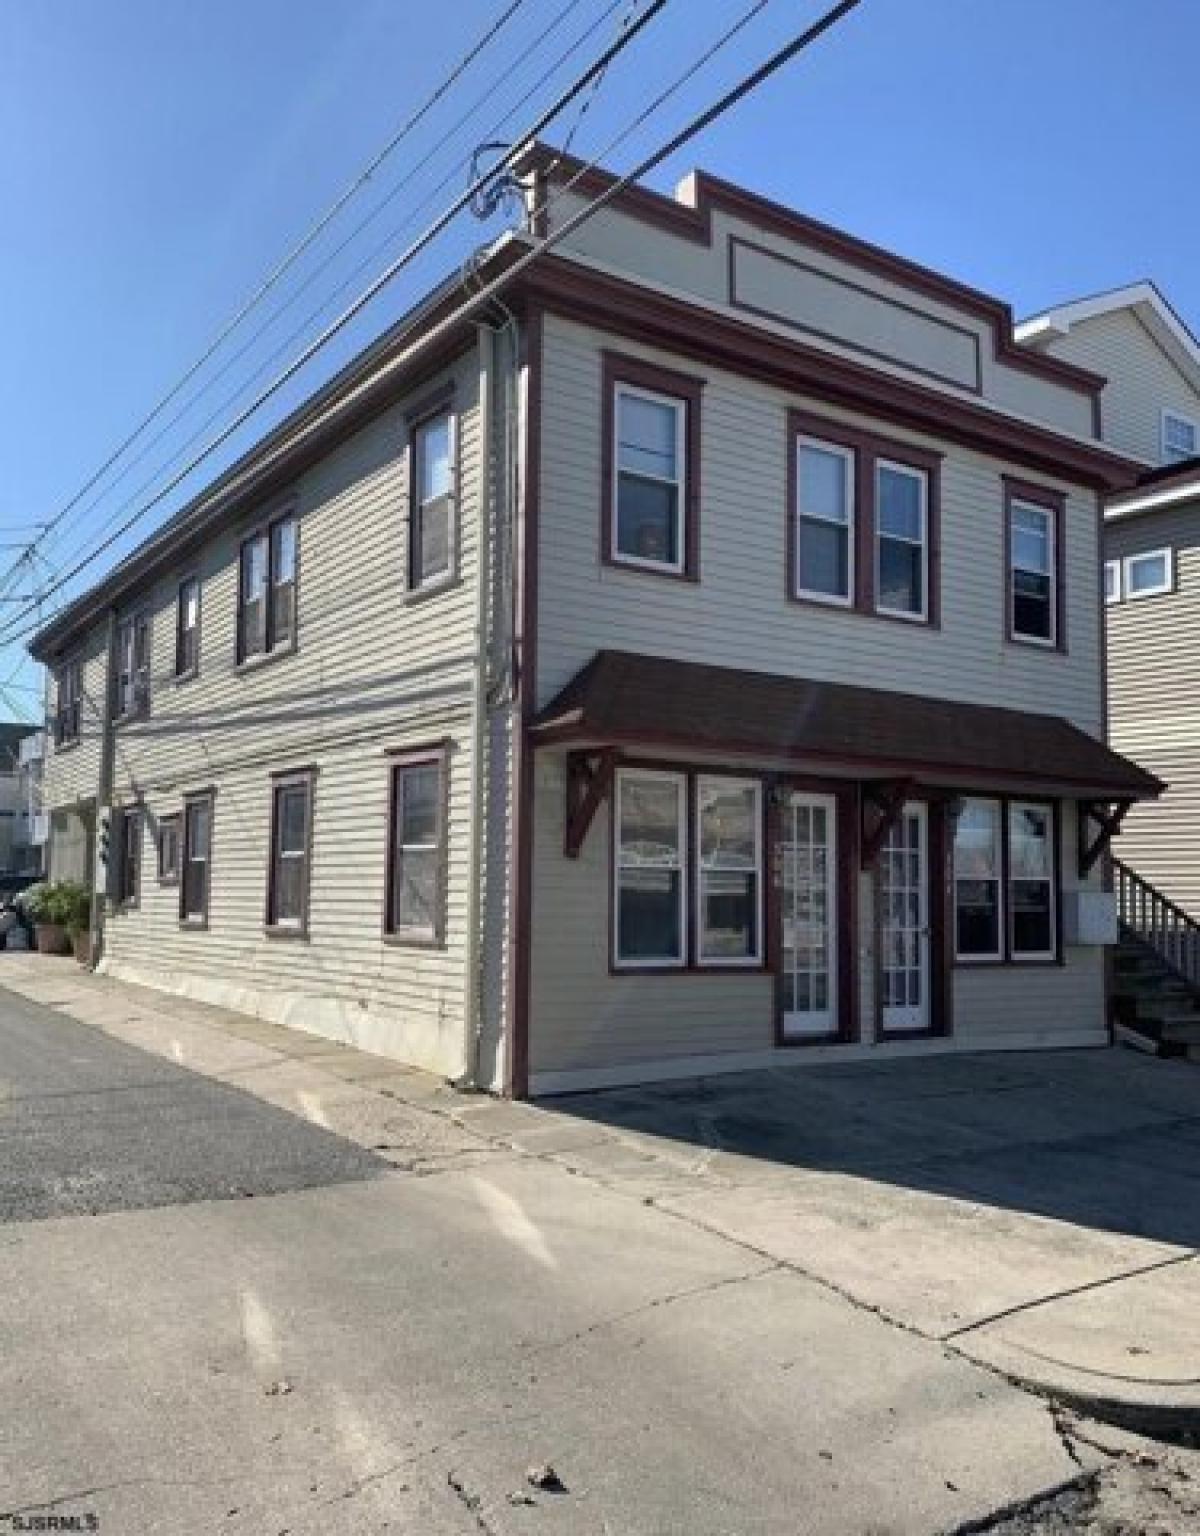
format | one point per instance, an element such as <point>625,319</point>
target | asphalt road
<point>90,1125</point>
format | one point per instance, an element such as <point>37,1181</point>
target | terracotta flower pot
<point>51,939</point>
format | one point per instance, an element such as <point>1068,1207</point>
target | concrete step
<point>1180,1028</point>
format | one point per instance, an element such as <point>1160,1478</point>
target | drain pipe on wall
<point>104,790</point>
<point>480,714</point>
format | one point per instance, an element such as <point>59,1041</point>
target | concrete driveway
<point>1041,1212</point>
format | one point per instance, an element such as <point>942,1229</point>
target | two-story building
<point>690,664</point>
<point>1152,560</point>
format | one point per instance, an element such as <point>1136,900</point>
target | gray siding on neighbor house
<point>374,670</point>
<point>1142,380</point>
<point>1154,699</point>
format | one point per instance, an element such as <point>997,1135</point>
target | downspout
<point>477,811</point>
<point>104,789</point>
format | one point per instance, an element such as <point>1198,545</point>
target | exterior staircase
<point>1156,970</point>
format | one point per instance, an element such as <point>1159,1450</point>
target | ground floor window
<point>1005,877</point>
<point>729,834</point>
<point>129,857</point>
<point>197,859</point>
<point>651,850</point>
<point>417,849</point>
<point>168,850</point>
<point>291,836</point>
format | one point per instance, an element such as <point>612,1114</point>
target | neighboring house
<point>1151,410</point>
<point>692,664</point>
<point>18,855</point>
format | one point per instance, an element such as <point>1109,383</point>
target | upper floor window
<point>824,521</point>
<point>267,589</point>
<point>651,471</point>
<point>1180,438</point>
<point>901,540</point>
<point>133,666</point>
<point>1148,574</point>
<point>187,628</point>
<point>68,704</point>
<point>291,833</point>
<point>1034,518</point>
<point>417,850</point>
<point>431,520</point>
<point>863,522</point>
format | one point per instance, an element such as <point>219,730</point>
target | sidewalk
<point>1098,1314</point>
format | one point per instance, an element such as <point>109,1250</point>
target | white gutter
<point>1151,501</point>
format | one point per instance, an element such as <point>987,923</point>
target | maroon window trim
<point>1007,957</point>
<point>1054,502</point>
<point>68,704</point>
<point>296,778</point>
<point>187,666</point>
<point>867,448</point>
<point>192,803</point>
<point>399,763</point>
<point>617,368</point>
<point>268,532</point>
<point>129,867</point>
<point>420,417</point>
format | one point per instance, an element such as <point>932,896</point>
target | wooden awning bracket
<point>1092,848</point>
<point>882,803</point>
<point>589,779</point>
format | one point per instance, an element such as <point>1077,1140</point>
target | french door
<point>904,922</point>
<point>808,915</point>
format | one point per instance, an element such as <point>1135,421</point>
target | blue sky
<point>158,156</point>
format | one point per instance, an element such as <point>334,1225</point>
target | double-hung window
<point>168,850</point>
<point>187,628</point>
<point>978,881</point>
<point>650,486</point>
<point>415,908</point>
<point>650,869</point>
<point>1031,881</point>
<point>291,834</point>
<point>901,540</point>
<point>68,704</point>
<point>431,517</point>
<point>1033,557</point>
<point>133,666</point>
<point>1180,438</point>
<point>729,883</point>
<point>196,876</point>
<point>825,521</point>
<point>267,590</point>
<point>129,857</point>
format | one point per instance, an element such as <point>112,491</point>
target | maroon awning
<point>630,700</point>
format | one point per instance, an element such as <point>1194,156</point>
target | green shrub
<point>67,903</point>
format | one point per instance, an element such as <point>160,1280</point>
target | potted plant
<point>43,905</point>
<point>75,906</point>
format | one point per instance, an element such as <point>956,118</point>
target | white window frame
<point>650,962</point>
<point>1113,568</point>
<point>720,962</point>
<point>1166,555</point>
<point>1019,636</point>
<point>679,406</point>
<point>850,459</point>
<point>913,615</point>
<point>1167,415</point>
<point>997,954</point>
<point>1016,955</point>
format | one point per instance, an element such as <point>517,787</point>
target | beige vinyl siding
<point>1154,700</point>
<point>72,772</point>
<point>1142,380</point>
<point>738,614</point>
<point>374,669</point>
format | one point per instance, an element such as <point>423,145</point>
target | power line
<point>580,84</point>
<point>696,125</point>
<point>328,261</point>
<point>293,255</point>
